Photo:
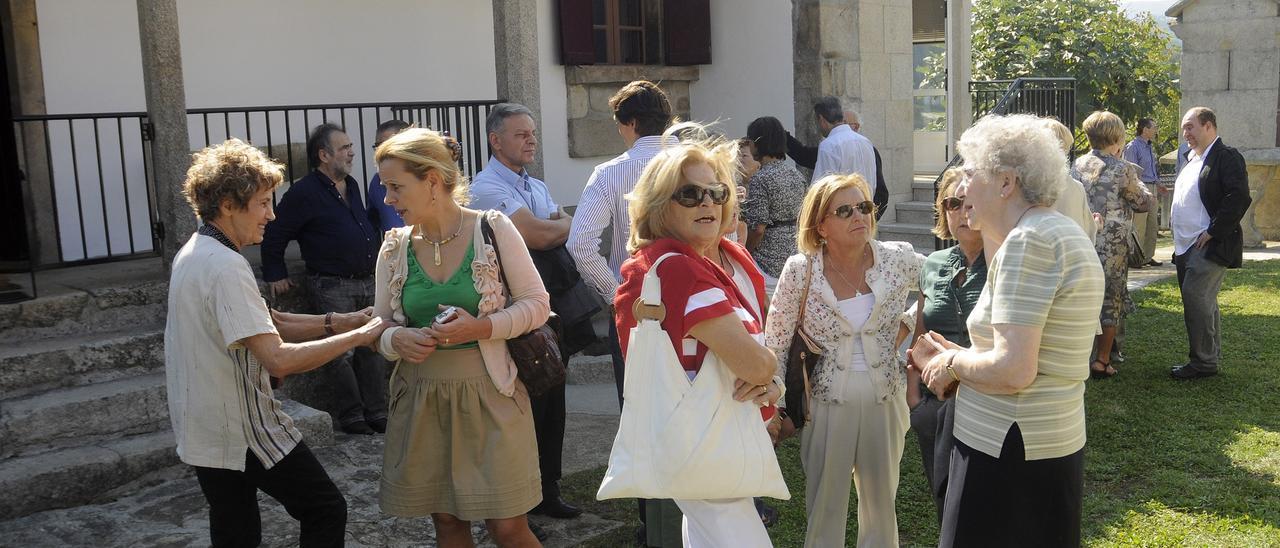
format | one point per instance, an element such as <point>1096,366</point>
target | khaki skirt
<point>455,445</point>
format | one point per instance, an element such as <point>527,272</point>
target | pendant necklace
<point>423,234</point>
<point>856,292</point>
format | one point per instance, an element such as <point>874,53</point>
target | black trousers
<point>1011,501</point>
<point>298,482</point>
<point>548,424</point>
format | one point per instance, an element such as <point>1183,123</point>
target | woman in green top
<point>950,283</point>
<point>460,442</point>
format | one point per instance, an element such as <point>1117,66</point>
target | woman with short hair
<point>776,190</point>
<point>1115,193</point>
<point>1017,467</point>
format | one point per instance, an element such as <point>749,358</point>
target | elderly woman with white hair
<point>1017,467</point>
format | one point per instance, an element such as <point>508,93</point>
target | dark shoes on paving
<point>1154,262</point>
<point>366,428</point>
<point>556,507</point>
<point>1187,372</point>
<point>379,425</point>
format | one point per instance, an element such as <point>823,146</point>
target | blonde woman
<point>858,290</point>
<point>682,204</point>
<point>460,442</point>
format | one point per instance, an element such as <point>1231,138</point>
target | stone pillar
<point>515,52</point>
<point>167,113</point>
<point>860,52</point>
<point>22,45</point>
<point>959,70</point>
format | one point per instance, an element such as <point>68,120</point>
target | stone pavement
<point>1140,278</point>
<point>171,511</point>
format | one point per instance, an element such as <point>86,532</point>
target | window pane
<point>930,113</point>
<point>602,46</point>
<point>598,12</point>
<point>629,13</point>
<point>632,47</point>
<point>930,61</point>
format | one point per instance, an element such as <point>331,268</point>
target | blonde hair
<point>1104,129</point>
<point>1065,139</point>
<point>233,170</point>
<point>424,150</point>
<point>816,203</point>
<point>650,202</point>
<point>950,178</point>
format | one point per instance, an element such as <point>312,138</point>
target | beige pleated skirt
<point>455,445</point>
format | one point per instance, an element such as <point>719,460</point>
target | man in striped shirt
<point>642,112</point>
<point>221,347</point>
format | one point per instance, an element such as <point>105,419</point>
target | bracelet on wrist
<point>951,368</point>
<point>328,324</point>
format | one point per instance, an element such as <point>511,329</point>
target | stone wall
<point>860,52</point>
<point>1264,186</point>
<point>592,131</point>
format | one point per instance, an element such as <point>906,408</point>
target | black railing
<point>90,182</point>
<point>1039,96</point>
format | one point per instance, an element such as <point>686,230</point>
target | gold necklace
<point>856,292</point>
<point>423,234</point>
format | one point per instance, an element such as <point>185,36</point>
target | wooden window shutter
<point>686,26</point>
<point>577,46</point>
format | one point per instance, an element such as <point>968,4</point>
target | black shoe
<point>1153,262</point>
<point>557,508</point>
<point>538,532</point>
<point>1186,372</point>
<point>378,425</point>
<point>358,427</point>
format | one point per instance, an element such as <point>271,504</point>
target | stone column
<point>959,70</point>
<point>22,45</point>
<point>860,52</point>
<point>167,113</point>
<point>515,52</point>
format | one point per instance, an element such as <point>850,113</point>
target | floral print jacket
<point>894,275</point>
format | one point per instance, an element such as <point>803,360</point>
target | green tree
<point>1127,66</point>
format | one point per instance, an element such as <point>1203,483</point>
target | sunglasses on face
<point>953,203</point>
<point>845,211</point>
<point>693,195</point>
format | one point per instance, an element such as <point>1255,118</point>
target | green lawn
<point>1168,463</point>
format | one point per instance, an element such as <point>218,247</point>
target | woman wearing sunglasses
<point>1016,475</point>
<point>682,204</point>
<point>950,283</point>
<point>857,291</point>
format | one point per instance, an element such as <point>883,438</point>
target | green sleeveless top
<point>422,296</point>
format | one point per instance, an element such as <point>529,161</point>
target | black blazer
<point>1224,189</point>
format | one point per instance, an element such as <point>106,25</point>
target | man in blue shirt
<point>383,215</point>
<point>506,186</point>
<point>1142,152</point>
<point>339,244</point>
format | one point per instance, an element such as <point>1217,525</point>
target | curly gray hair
<point>1020,143</point>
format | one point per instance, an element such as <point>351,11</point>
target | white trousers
<point>859,438</point>
<point>722,523</point>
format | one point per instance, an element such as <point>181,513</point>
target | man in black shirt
<point>324,212</point>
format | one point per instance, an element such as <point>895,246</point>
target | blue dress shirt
<point>382,215</point>
<point>1140,151</point>
<point>336,237</point>
<point>497,187</point>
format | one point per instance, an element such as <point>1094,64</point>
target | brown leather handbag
<point>802,358</point>
<point>539,362</point>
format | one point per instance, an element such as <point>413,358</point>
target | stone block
<point>838,34</point>
<point>585,369</point>
<point>620,75</point>
<point>897,29</point>
<point>875,75</point>
<point>914,212</point>
<point>1246,34</point>
<point>593,137</point>
<point>598,99</point>
<point>871,29</point>
<point>1255,70</point>
<point>900,75</point>
<point>898,123</point>
<point>579,101</point>
<point>1246,118</point>
<point>1204,71</point>
<point>48,364</point>
<point>315,425</point>
<point>1220,10</point>
<point>132,405</point>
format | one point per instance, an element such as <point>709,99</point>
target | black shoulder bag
<point>802,358</point>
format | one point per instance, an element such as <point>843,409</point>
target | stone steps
<point>47,364</point>
<point>922,190</point>
<point>918,235</point>
<point>80,312</point>
<point>72,476</point>
<point>914,212</point>
<point>132,405</point>
<point>584,369</point>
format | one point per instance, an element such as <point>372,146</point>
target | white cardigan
<point>530,304</point>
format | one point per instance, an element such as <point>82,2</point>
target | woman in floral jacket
<point>858,411</point>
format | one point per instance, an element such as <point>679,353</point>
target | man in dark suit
<point>1210,197</point>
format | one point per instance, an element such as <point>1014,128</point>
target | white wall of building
<point>751,74</point>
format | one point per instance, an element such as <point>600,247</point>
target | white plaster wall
<point>249,53</point>
<point>564,176</point>
<point>751,74</point>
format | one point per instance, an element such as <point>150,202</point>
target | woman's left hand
<point>934,371</point>
<point>762,394</point>
<point>463,328</point>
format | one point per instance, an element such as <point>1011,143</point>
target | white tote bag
<point>679,439</point>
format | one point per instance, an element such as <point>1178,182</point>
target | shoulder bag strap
<point>649,306</point>
<point>487,232</point>
<point>804,295</point>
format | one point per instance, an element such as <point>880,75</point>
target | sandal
<point>768,514</point>
<point>1105,373</point>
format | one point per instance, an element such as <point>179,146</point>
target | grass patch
<point>1168,463</point>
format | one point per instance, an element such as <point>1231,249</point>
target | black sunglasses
<point>845,211</point>
<point>953,203</point>
<point>693,195</point>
